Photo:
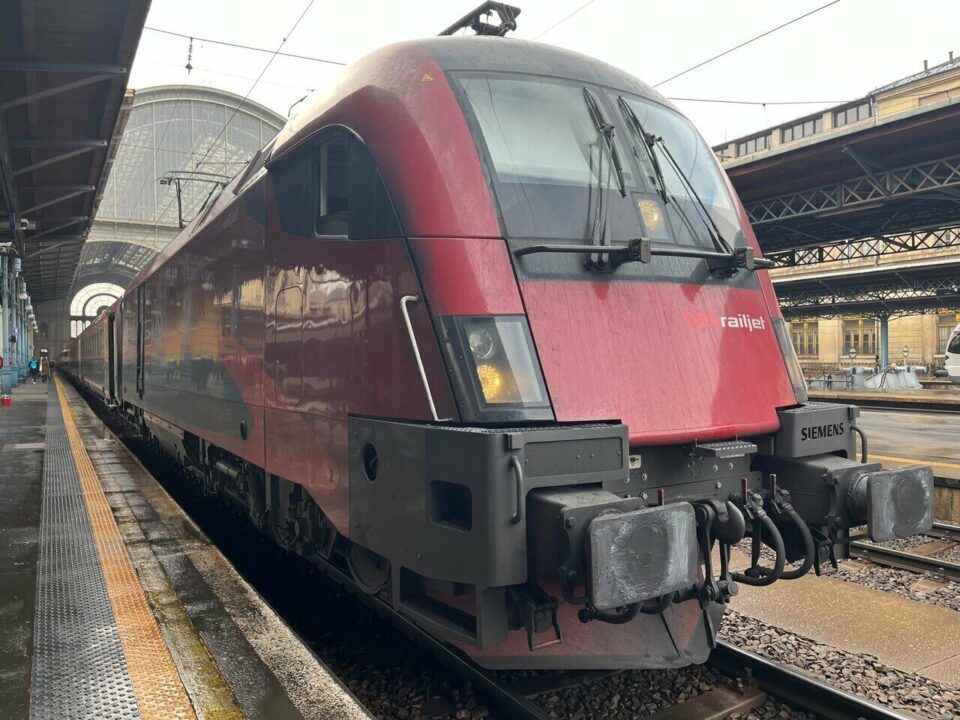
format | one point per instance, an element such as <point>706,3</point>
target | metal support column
<point>4,316</point>
<point>884,340</point>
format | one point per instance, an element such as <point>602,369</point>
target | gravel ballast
<point>858,674</point>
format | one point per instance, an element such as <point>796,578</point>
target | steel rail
<point>900,560</point>
<point>798,688</point>
<point>944,531</point>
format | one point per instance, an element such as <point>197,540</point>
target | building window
<point>801,129</point>
<point>852,114</point>
<point>860,334</point>
<point>945,325</point>
<point>806,338</point>
<point>752,145</point>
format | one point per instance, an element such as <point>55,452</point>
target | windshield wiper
<point>648,141</point>
<point>606,130</point>
<point>642,250</point>
<point>716,236</point>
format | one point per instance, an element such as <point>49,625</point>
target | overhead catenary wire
<point>564,19</point>
<point>236,110</point>
<point>241,46</point>
<point>251,89</point>
<point>759,102</point>
<point>746,42</point>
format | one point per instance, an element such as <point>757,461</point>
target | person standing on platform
<point>34,369</point>
<point>44,368</point>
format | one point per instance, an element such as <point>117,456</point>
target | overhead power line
<point>760,102</point>
<point>564,19</point>
<point>244,47</point>
<point>746,42</point>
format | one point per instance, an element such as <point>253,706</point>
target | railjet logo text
<point>742,322</point>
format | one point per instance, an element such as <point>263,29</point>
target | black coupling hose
<point>648,607</point>
<point>617,618</point>
<point>809,549</point>
<point>863,443</point>
<point>657,606</point>
<point>766,576</point>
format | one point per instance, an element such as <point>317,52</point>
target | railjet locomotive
<point>487,329</point>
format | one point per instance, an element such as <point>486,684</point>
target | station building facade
<point>827,340</point>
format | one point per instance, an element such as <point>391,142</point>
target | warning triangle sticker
<point>426,78</point>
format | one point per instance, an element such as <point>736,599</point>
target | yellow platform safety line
<point>914,460</point>
<point>153,673</point>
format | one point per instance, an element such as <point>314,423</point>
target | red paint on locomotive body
<point>655,339</point>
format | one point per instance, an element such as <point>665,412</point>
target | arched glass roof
<point>181,129</point>
<point>171,129</point>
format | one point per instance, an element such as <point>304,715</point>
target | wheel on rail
<point>369,570</point>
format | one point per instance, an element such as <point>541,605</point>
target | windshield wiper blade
<point>716,236</point>
<point>642,250</point>
<point>646,140</point>
<point>606,130</point>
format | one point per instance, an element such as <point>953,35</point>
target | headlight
<point>790,359</point>
<point>483,343</point>
<point>495,369</point>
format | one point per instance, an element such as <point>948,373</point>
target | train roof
<point>462,53</point>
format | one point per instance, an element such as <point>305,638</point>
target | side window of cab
<point>352,198</point>
<point>332,188</point>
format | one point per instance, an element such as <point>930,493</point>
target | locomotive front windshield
<point>557,174</point>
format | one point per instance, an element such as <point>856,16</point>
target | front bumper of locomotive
<point>488,530</point>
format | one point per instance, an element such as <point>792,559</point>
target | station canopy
<point>63,100</point>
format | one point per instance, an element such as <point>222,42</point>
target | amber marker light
<point>492,383</point>
<point>651,214</point>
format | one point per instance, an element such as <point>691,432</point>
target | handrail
<point>404,301</point>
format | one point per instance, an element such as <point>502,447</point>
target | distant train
<point>486,327</point>
<point>952,362</point>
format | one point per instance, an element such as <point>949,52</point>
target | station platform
<point>941,398</point>
<point>113,604</point>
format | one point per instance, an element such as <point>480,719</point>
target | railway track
<point>915,562</point>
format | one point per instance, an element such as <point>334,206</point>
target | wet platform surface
<point>941,397</point>
<point>114,604</point>
<point>901,437</point>
<point>905,634</point>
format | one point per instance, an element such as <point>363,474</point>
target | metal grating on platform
<point>79,668</point>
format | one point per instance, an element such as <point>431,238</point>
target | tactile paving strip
<point>156,682</point>
<point>79,669</point>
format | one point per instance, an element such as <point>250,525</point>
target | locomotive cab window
<point>334,189</point>
<point>352,198</point>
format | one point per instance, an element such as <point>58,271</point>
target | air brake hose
<point>766,576</point>
<point>863,443</point>
<point>809,549</point>
<point>616,618</point>
<point>657,606</point>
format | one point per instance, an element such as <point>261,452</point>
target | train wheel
<point>369,570</point>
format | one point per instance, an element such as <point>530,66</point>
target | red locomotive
<point>486,326</point>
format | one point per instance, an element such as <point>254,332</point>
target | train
<point>952,356</point>
<point>486,330</point>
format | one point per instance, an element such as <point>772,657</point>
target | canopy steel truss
<point>929,239</point>
<point>897,296</point>
<point>872,188</point>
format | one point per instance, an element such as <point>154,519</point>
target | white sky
<point>839,53</point>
